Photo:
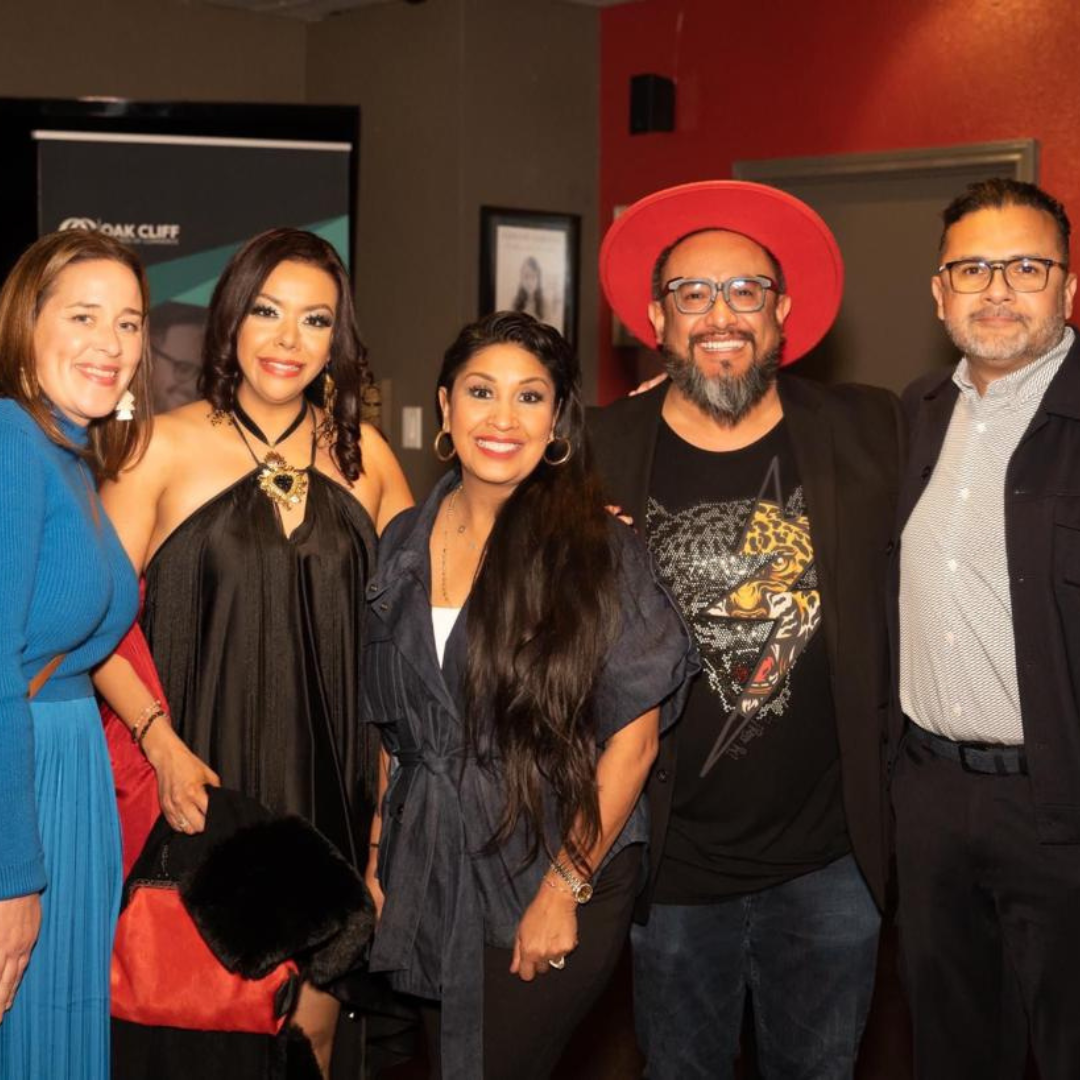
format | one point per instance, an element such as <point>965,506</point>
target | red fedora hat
<point>794,233</point>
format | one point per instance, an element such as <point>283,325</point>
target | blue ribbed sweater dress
<point>66,586</point>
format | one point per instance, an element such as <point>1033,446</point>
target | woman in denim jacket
<point>521,662</point>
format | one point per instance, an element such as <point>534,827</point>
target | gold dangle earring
<point>328,427</point>
<point>224,416</point>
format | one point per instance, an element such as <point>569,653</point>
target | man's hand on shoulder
<point>648,384</point>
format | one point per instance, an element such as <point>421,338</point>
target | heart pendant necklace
<point>282,484</point>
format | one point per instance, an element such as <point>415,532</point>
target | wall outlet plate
<point>412,427</point>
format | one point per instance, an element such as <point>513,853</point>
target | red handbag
<point>162,971</point>
<point>165,972</point>
<point>164,975</point>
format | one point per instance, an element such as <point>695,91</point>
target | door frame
<point>1018,158</point>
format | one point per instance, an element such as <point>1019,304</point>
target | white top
<point>442,622</point>
<point>957,650</point>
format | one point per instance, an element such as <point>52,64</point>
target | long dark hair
<point>355,396</point>
<point>542,613</point>
<point>112,443</point>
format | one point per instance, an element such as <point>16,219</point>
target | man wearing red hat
<point>767,502</point>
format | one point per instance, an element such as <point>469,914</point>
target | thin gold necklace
<point>462,528</point>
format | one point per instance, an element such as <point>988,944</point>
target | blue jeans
<point>805,951</point>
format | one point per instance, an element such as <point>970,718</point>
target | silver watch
<point>580,889</point>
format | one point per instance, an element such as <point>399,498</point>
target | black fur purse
<point>217,930</point>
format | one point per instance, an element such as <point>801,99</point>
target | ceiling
<point>314,10</point>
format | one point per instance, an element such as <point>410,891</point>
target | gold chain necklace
<point>451,503</point>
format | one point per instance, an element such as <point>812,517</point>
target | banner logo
<point>128,232</point>
<point>77,223</point>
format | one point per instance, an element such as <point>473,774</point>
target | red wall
<point>787,78</point>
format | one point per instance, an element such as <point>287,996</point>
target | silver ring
<point>181,822</point>
<point>559,963</point>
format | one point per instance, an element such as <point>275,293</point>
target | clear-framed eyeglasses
<point>695,296</point>
<point>1026,273</point>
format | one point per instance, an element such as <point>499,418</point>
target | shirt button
<point>965,494</point>
<point>952,565</point>
<point>399,810</point>
<point>980,428</point>
<point>956,710</point>
<point>950,638</point>
<point>661,776</point>
<point>926,472</point>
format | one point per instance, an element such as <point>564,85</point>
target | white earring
<point>125,407</point>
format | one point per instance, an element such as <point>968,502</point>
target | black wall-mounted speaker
<point>652,104</point>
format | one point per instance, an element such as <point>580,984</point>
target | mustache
<point>997,313</point>
<point>727,335</point>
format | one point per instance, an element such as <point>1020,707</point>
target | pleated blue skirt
<point>58,1028</point>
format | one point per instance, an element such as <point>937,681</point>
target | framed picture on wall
<point>529,262</point>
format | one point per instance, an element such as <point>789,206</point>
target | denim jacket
<point>446,896</point>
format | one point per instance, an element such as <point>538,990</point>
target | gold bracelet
<point>142,718</point>
<point>149,723</point>
<point>138,732</point>
<point>551,885</point>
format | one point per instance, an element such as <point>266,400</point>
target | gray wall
<point>163,49</point>
<point>463,102</point>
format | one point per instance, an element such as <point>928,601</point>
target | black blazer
<point>849,443</point>
<point>1042,539</point>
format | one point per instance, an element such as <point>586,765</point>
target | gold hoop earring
<point>563,458</point>
<point>451,454</point>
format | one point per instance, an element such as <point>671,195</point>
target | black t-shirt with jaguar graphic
<point>757,797</point>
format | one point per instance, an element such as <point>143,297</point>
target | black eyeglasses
<point>1026,273</point>
<point>695,296</point>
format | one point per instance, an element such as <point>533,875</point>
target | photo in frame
<point>529,262</point>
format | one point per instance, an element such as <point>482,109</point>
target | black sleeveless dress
<point>257,638</point>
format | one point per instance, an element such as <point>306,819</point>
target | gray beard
<point>1040,337</point>
<point>727,399</point>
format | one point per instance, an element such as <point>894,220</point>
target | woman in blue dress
<point>71,343</point>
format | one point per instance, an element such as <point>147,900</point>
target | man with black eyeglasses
<point>986,775</point>
<point>767,502</point>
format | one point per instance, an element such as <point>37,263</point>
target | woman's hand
<point>20,921</point>
<point>182,779</point>
<point>371,880</point>
<point>547,932</point>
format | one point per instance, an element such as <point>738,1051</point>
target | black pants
<point>528,1024</point>
<point>989,924</point>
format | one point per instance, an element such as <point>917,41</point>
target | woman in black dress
<point>521,661</point>
<point>254,516</point>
